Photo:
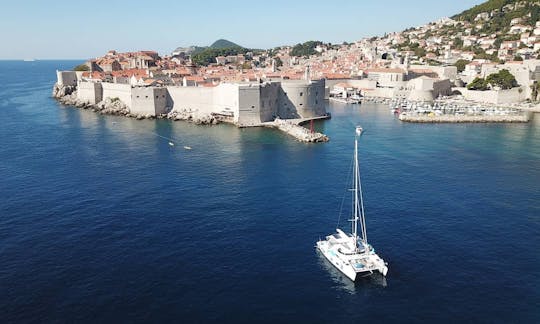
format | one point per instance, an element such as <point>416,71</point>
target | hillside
<point>497,15</point>
<point>494,6</point>
<point>223,43</point>
<point>496,30</point>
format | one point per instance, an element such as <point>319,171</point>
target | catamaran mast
<point>358,191</point>
<point>355,219</point>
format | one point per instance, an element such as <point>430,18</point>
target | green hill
<point>223,43</point>
<point>499,11</point>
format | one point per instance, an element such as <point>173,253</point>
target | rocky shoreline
<point>67,95</point>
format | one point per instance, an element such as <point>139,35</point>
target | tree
<point>81,67</point>
<point>208,55</point>
<point>305,49</point>
<point>535,87</point>
<point>457,43</point>
<point>503,79</point>
<point>477,84</point>
<point>518,58</point>
<point>246,65</point>
<point>420,52</point>
<point>460,65</point>
<point>279,62</point>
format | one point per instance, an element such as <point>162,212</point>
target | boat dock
<point>293,127</point>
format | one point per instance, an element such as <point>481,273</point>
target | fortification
<point>90,92</point>
<point>149,101</point>
<point>301,99</point>
<point>68,78</point>
<point>245,104</point>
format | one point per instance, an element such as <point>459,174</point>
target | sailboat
<point>350,253</point>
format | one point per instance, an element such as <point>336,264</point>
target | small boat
<point>350,253</point>
<point>171,143</point>
<point>187,147</point>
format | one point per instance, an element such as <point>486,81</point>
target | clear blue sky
<point>83,29</point>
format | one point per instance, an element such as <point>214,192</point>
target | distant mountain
<point>223,43</point>
<point>219,44</point>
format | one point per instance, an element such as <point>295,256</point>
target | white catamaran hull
<point>352,265</point>
<point>346,269</point>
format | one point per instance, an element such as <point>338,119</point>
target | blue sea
<point>102,221</point>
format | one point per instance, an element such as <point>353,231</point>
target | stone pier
<point>293,128</point>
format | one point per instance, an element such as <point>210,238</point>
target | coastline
<point>67,95</point>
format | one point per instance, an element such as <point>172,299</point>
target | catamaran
<point>350,253</point>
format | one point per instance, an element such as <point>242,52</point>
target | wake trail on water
<point>171,141</point>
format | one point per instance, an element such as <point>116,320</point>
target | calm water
<point>102,221</point>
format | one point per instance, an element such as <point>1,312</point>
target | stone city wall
<point>120,91</point>
<point>149,101</point>
<point>90,92</point>
<point>248,104</point>
<point>68,78</point>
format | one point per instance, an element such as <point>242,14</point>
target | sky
<point>59,29</point>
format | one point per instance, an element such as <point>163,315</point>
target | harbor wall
<point>522,118</point>
<point>495,96</point>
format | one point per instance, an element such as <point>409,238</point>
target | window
<point>301,94</point>
<point>146,97</point>
<point>252,107</point>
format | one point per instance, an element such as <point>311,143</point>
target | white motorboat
<point>350,253</point>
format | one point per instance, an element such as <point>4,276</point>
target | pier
<point>293,127</point>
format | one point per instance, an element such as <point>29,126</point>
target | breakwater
<point>414,118</point>
<point>294,129</point>
<point>457,110</point>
